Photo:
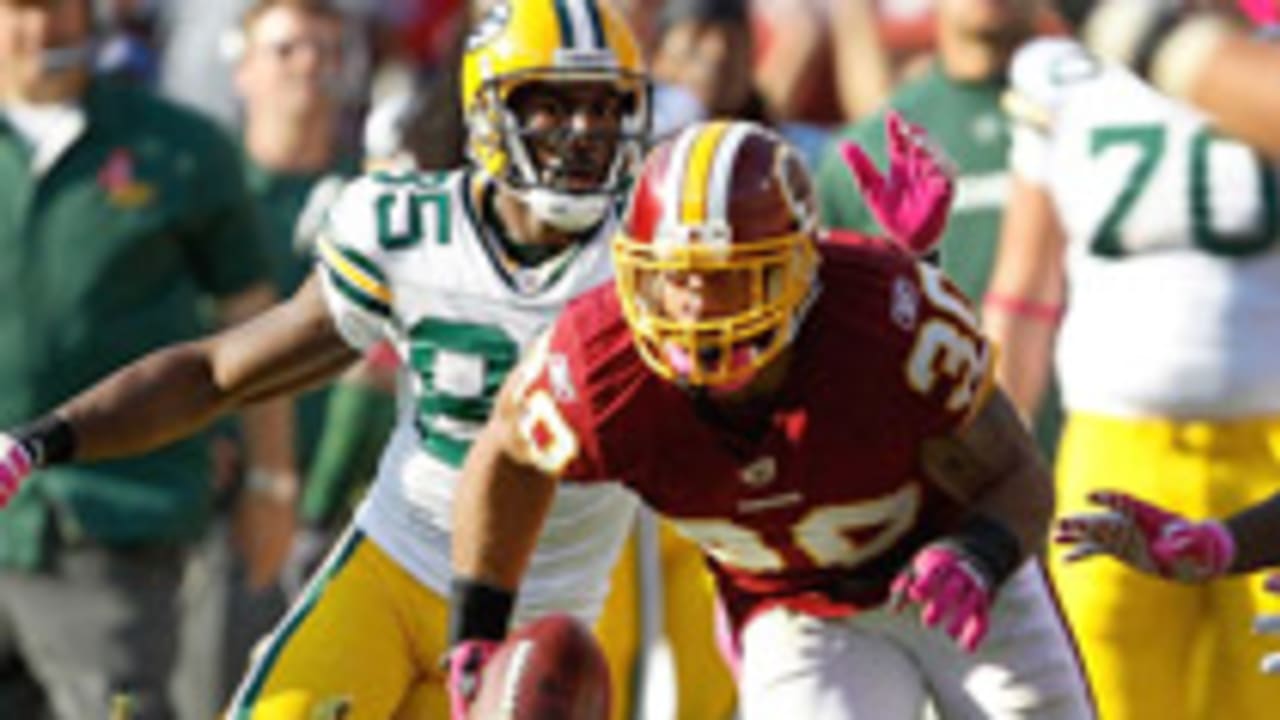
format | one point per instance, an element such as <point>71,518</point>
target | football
<point>550,669</point>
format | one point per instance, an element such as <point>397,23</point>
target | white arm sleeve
<point>351,260</point>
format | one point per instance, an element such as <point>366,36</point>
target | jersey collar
<point>523,278</point>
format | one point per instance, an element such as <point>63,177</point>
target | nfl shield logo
<point>760,473</point>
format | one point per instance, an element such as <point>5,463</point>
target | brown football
<point>550,669</point>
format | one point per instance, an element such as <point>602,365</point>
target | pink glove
<point>15,466</point>
<point>910,203</point>
<point>466,662</point>
<point>951,587</point>
<point>1260,12</point>
<point>1148,538</point>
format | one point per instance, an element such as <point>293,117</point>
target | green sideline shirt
<point>108,252</point>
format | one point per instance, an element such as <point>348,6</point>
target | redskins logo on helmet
<point>724,215</point>
<point>553,42</point>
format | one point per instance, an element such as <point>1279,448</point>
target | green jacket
<point>111,249</point>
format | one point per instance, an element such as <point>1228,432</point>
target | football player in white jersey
<point>1140,249</point>
<point>458,271</point>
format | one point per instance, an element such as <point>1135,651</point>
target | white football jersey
<point>407,258</point>
<point>1173,304</point>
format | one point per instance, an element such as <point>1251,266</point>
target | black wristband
<point>990,544</point>
<point>478,611</point>
<point>49,440</point>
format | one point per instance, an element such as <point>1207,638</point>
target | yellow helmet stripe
<point>697,173</point>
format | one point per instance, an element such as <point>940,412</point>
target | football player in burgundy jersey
<point>819,417</point>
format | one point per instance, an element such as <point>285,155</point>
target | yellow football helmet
<point>723,216</point>
<point>551,41</point>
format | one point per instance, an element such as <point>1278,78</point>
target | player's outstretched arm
<point>502,499</point>
<point>1237,87</point>
<point>173,391</point>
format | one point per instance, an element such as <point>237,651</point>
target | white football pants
<point>882,665</point>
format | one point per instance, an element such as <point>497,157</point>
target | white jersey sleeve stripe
<point>357,278</point>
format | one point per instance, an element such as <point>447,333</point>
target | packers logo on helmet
<point>489,27</point>
<point>553,43</point>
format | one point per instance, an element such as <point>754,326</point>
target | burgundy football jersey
<point>824,498</point>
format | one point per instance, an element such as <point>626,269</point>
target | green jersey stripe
<point>566,25</point>
<point>243,708</point>
<point>357,295</point>
<point>597,27</point>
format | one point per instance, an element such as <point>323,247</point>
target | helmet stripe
<point>566,25</point>
<point>580,24</point>
<point>694,200</point>
<point>722,171</point>
<point>674,174</point>
<point>597,25</point>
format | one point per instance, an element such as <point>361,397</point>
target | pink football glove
<point>1260,12</point>
<point>911,202</point>
<point>953,590</point>
<point>15,466</point>
<point>466,662</point>
<point>1148,538</point>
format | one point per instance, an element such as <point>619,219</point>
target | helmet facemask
<point>763,284</point>
<point>562,195</point>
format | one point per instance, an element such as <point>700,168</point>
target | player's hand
<point>1148,538</point>
<point>1270,625</point>
<point>465,663</point>
<point>952,590</point>
<point>15,466</point>
<point>912,200</point>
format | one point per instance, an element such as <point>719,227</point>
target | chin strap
<point>565,211</point>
